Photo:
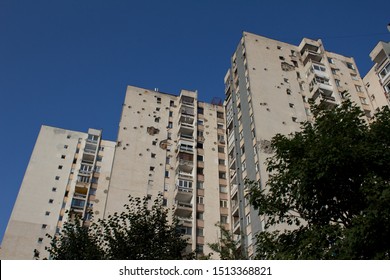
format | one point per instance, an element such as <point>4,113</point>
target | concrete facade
<point>197,155</point>
<point>268,89</point>
<point>377,80</point>
<point>175,146</point>
<point>67,172</point>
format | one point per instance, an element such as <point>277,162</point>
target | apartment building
<point>377,80</point>
<point>173,145</point>
<point>196,155</point>
<point>267,90</point>
<point>68,171</point>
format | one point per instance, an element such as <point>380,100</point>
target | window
<point>40,240</point>
<point>166,187</point>
<point>293,53</point>
<point>186,230</point>
<point>200,133</point>
<point>223,203</point>
<point>199,249</point>
<point>291,105</point>
<point>166,174</point>
<point>220,115</point>
<point>199,215</point>
<point>65,146</point>
<point>57,178</point>
<point>222,175</point>
<point>221,161</point>
<point>44,226</point>
<point>294,119</point>
<point>281,57</point>
<point>279,47</point>
<point>200,122</point>
<point>330,60</point>
<point>199,200</point>
<point>157,109</point>
<point>200,110</point>
<point>63,157</point>
<point>288,91</point>
<point>157,120</point>
<point>51,201</point>
<point>172,103</point>
<point>158,100</point>
<point>350,66</point>
<point>358,88</point>
<point>151,168</point>
<point>54,189</point>
<point>221,149</point>
<point>152,155</point>
<point>337,82</point>
<point>298,75</point>
<point>286,80</point>
<point>170,125</point>
<point>334,71</point>
<point>248,219</point>
<point>68,137</point>
<point>185,184</point>
<point>319,68</point>
<point>219,126</point>
<point>59,166</point>
<point>200,171</point>
<point>354,77</point>
<point>199,231</point>
<point>223,219</point>
<point>199,185</point>
<point>385,71</point>
<point>47,213</point>
<point>223,189</point>
<point>199,158</point>
<point>363,101</point>
<point>154,143</point>
<point>167,160</point>
<point>170,113</point>
<point>199,145</point>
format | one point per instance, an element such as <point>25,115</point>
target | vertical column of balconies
<point>86,179</point>
<point>185,157</point>
<point>312,56</point>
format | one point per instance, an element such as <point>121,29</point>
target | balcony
<point>321,89</point>
<point>311,55</point>
<point>326,101</point>
<point>185,165</point>
<point>236,226</point>
<point>234,189</point>
<point>184,148</point>
<point>78,203</point>
<point>184,175</point>
<point>185,221</point>
<point>187,100</point>
<point>184,136</point>
<point>186,120</point>
<point>183,209</point>
<point>183,194</point>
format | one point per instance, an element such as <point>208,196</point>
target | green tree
<point>142,231</point>
<point>330,184</point>
<point>76,242</point>
<point>226,246</point>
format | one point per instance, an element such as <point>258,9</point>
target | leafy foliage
<point>142,231</point>
<point>226,246</point>
<point>329,184</point>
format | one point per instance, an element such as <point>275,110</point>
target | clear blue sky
<point>66,63</point>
